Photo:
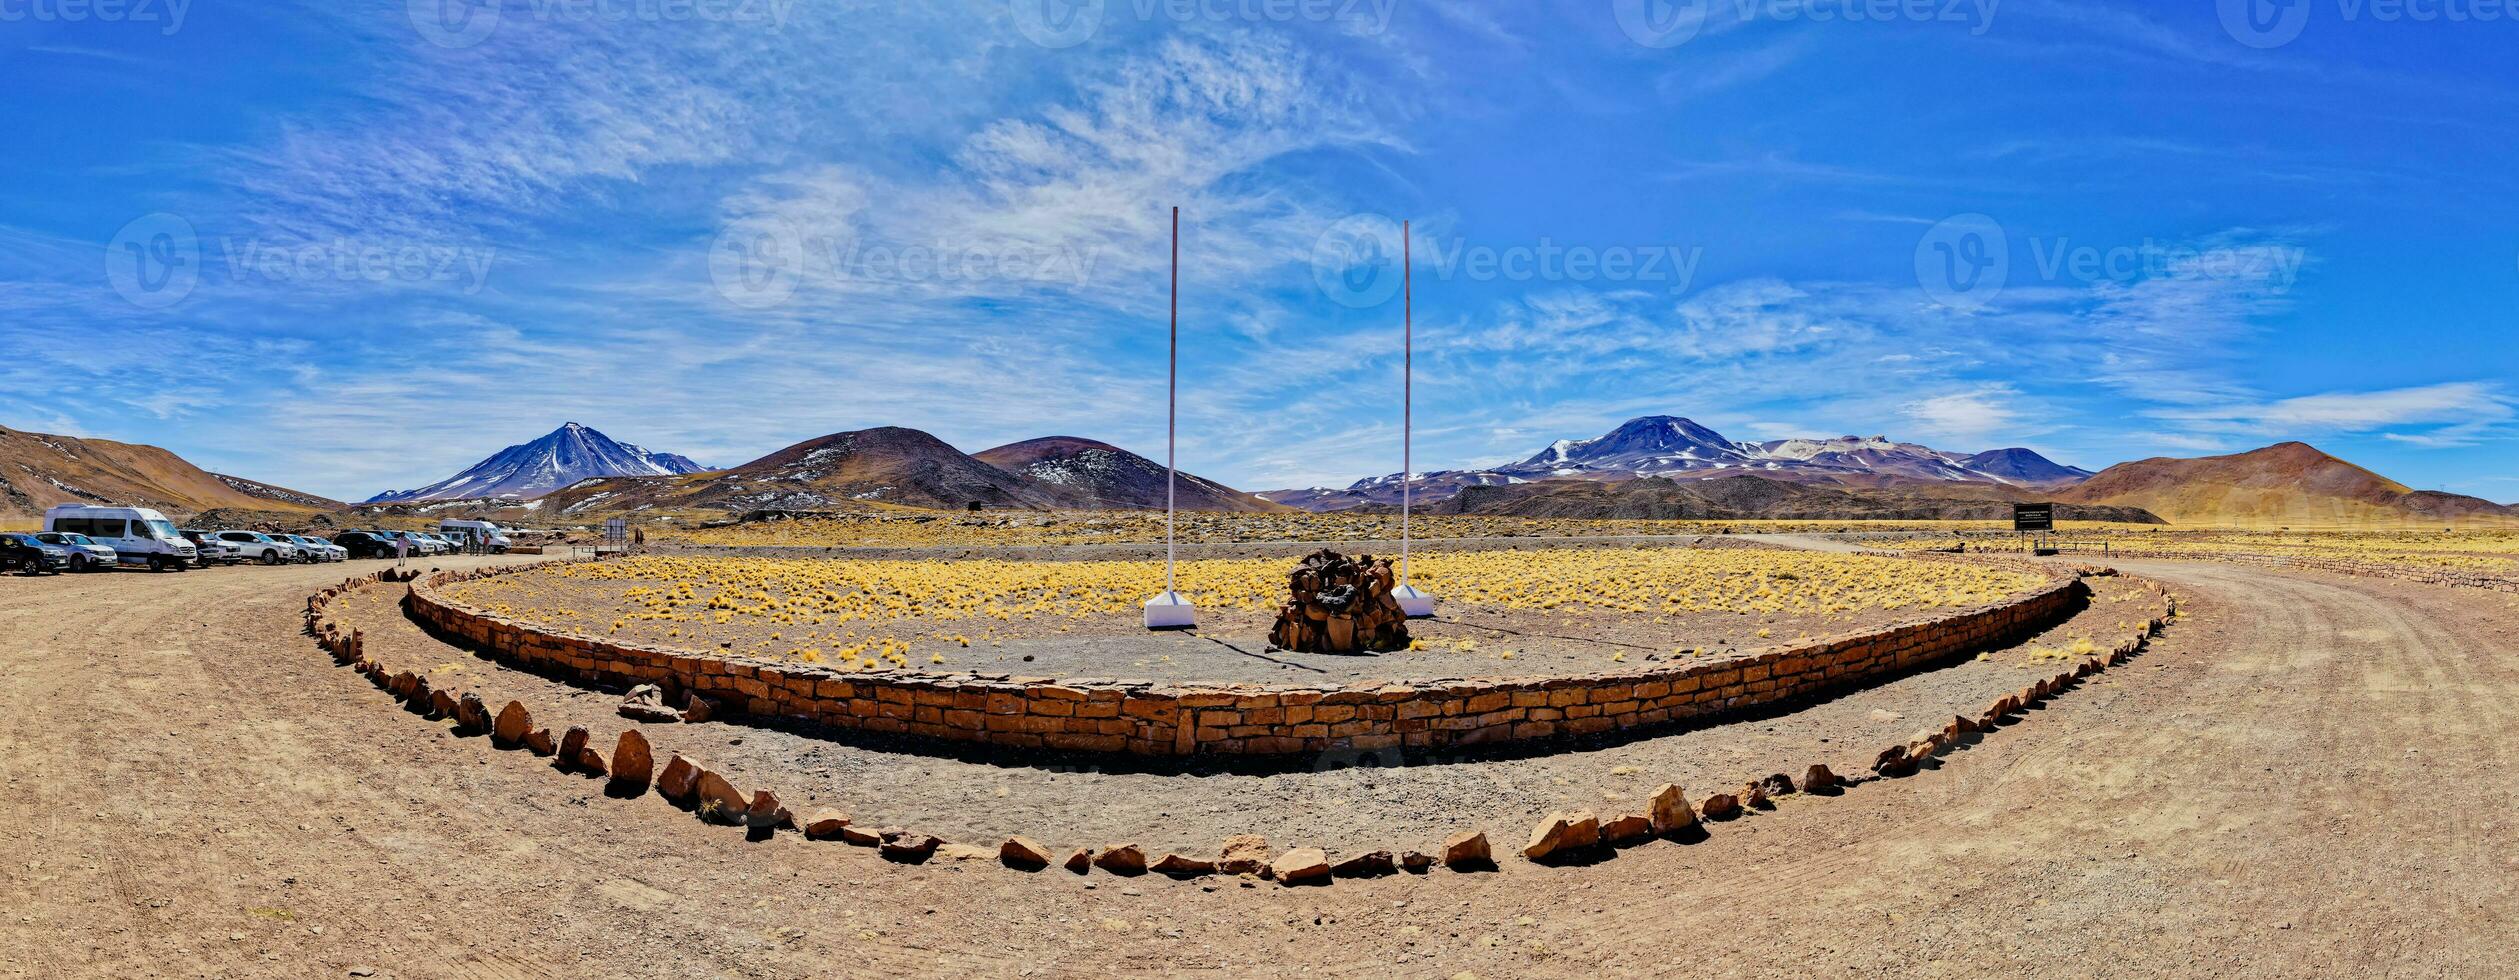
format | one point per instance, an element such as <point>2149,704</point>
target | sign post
<point>1170,611</point>
<point>2028,519</point>
<point>1413,603</point>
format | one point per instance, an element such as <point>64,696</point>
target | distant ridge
<point>2286,483</point>
<point>39,471</point>
<point>902,467</point>
<point>1101,475</point>
<point>1680,449</point>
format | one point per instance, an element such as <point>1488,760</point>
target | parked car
<point>420,546</point>
<point>445,545</point>
<point>138,535</point>
<point>85,554</point>
<point>365,544</point>
<point>324,550</point>
<point>256,546</point>
<point>209,549</point>
<point>22,553</point>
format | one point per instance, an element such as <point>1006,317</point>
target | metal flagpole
<point>1414,603</point>
<point>1172,412</point>
<point>1169,610</point>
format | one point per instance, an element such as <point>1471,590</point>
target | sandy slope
<point>2305,776</point>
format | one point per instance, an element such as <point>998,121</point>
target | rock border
<point>1173,720</point>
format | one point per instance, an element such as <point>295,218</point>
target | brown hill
<point>2289,483</point>
<point>886,465</point>
<point>39,471</point>
<point>1102,476</point>
<point>1761,498</point>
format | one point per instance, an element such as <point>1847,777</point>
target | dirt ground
<point>2304,776</point>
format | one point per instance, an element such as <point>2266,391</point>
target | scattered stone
<point>1627,829</point>
<point>700,709</point>
<point>1244,854</point>
<point>1126,859</point>
<point>1466,849</point>
<point>471,715</point>
<point>719,800</point>
<point>1722,806</point>
<point>1668,809</point>
<point>646,702</point>
<point>1023,852</point>
<point>1777,784</point>
<point>540,742</point>
<point>441,704</point>
<point>766,812</point>
<point>1081,861</point>
<point>1179,866</point>
<point>1817,779</point>
<point>1957,727</point>
<point>1893,761</point>
<point>633,763</point>
<point>1300,865</point>
<point>861,836</point>
<point>825,824</point>
<point>573,742</point>
<point>963,852</point>
<point>1884,714</point>
<point>1561,832</point>
<point>911,847</point>
<point>1415,862</point>
<point>1371,864</point>
<point>681,778</point>
<point>509,729</point>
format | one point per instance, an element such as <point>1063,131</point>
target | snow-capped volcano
<point>570,453</point>
<point>1669,446</point>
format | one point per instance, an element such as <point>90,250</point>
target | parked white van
<point>490,537</point>
<point>138,535</point>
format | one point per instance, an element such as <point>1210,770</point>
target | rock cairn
<point>1341,605</point>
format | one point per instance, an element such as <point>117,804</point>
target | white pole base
<point>1417,604</point>
<point>1170,611</point>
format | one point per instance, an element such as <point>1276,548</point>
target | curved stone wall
<point>1148,718</point>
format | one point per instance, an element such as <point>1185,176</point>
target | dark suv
<point>365,544</point>
<point>24,553</point>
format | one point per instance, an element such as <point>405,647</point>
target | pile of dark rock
<point>1340,604</point>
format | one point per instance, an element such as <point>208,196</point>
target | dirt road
<point>2308,775</point>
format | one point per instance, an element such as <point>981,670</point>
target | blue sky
<point>348,247</point>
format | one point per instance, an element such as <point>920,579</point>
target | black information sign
<point>2033,517</point>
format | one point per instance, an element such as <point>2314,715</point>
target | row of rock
<point>688,782</point>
